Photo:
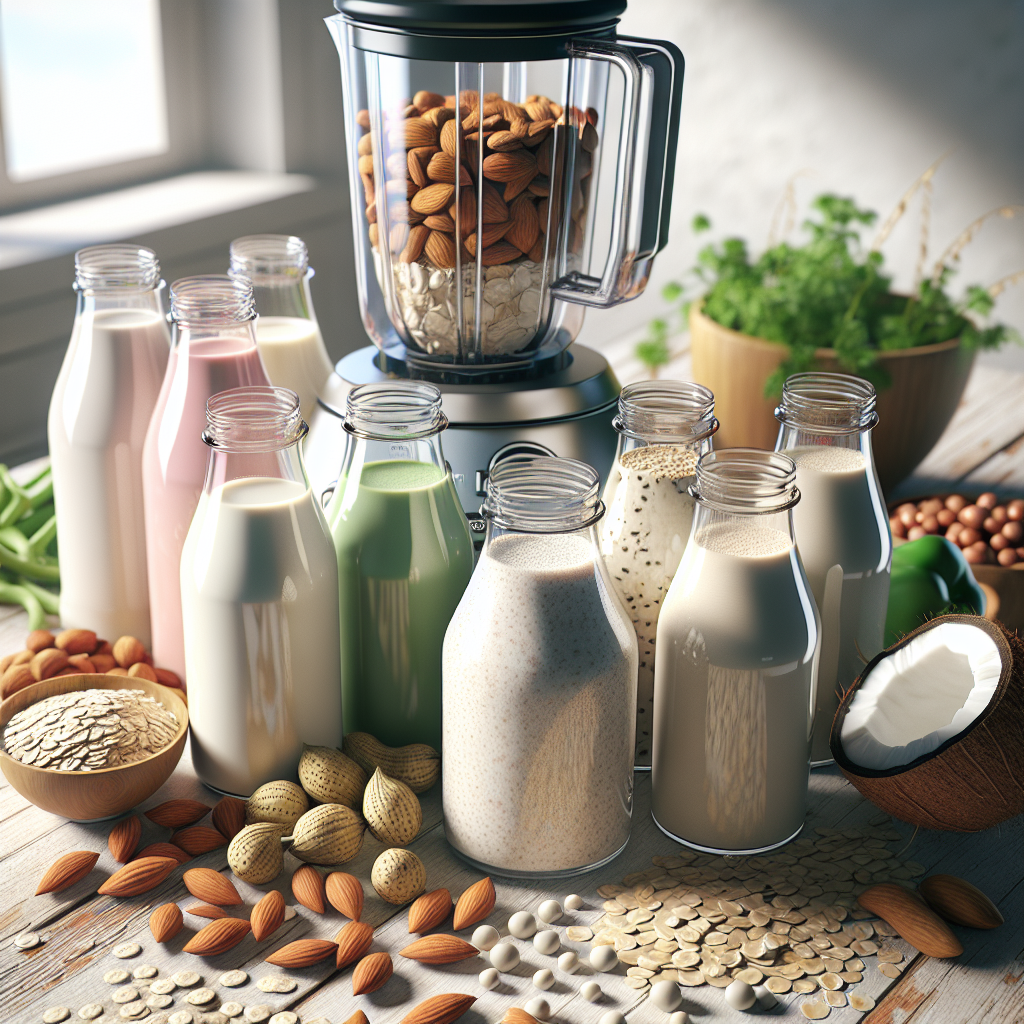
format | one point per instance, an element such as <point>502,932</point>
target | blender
<point>485,219</point>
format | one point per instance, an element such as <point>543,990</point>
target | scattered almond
<point>140,670</point>
<point>81,663</point>
<point>956,900</point>
<point>198,839</point>
<point>124,838</point>
<point>16,678</point>
<point>38,640</point>
<point>439,949</point>
<point>177,813</point>
<point>218,937</point>
<point>229,817</point>
<point>128,651</point>
<point>76,641</point>
<point>138,876</point>
<point>345,894</point>
<point>429,911</point>
<point>912,918</point>
<point>353,941</point>
<point>371,973</point>
<point>358,1018</point>
<point>48,663</point>
<point>442,1009</point>
<point>474,904</point>
<point>165,922</point>
<point>165,677</point>
<point>164,850</point>
<point>302,953</point>
<point>267,916</point>
<point>206,910</point>
<point>66,870</point>
<point>211,887</point>
<point>308,888</point>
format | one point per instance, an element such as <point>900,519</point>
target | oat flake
<point>55,1014</point>
<point>232,979</point>
<point>127,950</point>
<point>91,1011</point>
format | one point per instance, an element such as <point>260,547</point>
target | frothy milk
<point>734,691</point>
<point>539,671</point>
<point>643,535</point>
<point>101,405</point>
<point>259,593</point>
<point>294,355</point>
<point>837,522</point>
<point>174,468</point>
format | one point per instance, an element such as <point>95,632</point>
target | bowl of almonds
<point>91,746</point>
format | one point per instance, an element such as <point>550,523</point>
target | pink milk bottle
<point>213,349</point>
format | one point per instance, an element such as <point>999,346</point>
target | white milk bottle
<point>736,665</point>
<point>287,333</point>
<point>664,427</point>
<point>105,394</point>
<point>842,527</point>
<point>539,684</point>
<point>259,595</point>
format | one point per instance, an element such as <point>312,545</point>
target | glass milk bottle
<point>664,427</point>
<point>213,349</point>
<point>101,405</point>
<point>736,665</point>
<point>405,555</point>
<point>842,527</point>
<point>287,333</point>
<point>539,684</point>
<point>259,599</point>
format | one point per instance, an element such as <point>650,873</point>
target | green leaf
<point>700,223</point>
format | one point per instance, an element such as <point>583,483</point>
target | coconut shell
<point>972,781</point>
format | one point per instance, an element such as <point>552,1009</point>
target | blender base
<point>566,412</point>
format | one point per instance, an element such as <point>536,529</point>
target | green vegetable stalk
<point>930,577</point>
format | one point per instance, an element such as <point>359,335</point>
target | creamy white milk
<point>837,522</point>
<point>259,593</point>
<point>643,534</point>
<point>539,681</point>
<point>101,405</point>
<point>294,355</point>
<point>734,692</point>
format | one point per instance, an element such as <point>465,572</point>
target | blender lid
<point>482,17</point>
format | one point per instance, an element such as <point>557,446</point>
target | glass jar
<point>664,427</point>
<point>213,349</point>
<point>404,555</point>
<point>475,140</point>
<point>287,332</point>
<point>737,660</point>
<point>539,684</point>
<point>259,597</point>
<point>842,527</point>
<point>104,396</point>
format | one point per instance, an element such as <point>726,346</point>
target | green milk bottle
<point>405,556</point>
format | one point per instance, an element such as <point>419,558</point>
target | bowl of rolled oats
<point>89,747</point>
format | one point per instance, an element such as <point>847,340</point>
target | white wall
<point>862,95</point>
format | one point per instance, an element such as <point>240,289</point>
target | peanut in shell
<point>279,803</point>
<point>328,834</point>
<point>330,777</point>
<point>417,765</point>
<point>255,855</point>
<point>392,810</point>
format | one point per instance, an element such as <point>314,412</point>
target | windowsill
<point>41,234</point>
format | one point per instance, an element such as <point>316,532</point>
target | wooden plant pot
<point>927,384</point>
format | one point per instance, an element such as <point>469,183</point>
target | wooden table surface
<point>985,444</point>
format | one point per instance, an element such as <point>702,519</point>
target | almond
<point>164,850</point>
<point>439,949</point>
<point>229,817</point>
<point>440,250</point>
<point>5,663</point>
<point>140,670</point>
<point>433,198</point>
<point>509,167</point>
<point>81,663</point>
<point>138,876</point>
<point>165,677</point>
<point>474,904</point>
<point>116,671</point>
<point>440,222</point>
<point>124,838</point>
<point>419,133</point>
<point>515,1015</point>
<point>345,894</point>
<point>430,910</point>
<point>438,115</point>
<point>956,900</point>
<point>128,651</point>
<point>912,918</point>
<point>500,252</point>
<point>353,941</point>
<point>38,640</point>
<point>218,937</point>
<point>464,214</point>
<point>413,248</point>
<point>308,888</point>
<point>17,677</point>
<point>102,662</point>
<point>536,254</point>
<point>211,887</point>
<point>165,922</point>
<point>66,870</point>
<point>177,813</point>
<point>492,233</point>
<point>104,648</point>
<point>48,663</point>
<point>76,641</point>
<point>302,953</point>
<point>198,839</point>
<point>267,916</point>
<point>371,973</point>
<point>23,657</point>
<point>505,142</point>
<point>525,227</point>
<point>442,168</point>
<point>424,100</point>
<point>206,910</point>
<point>358,1018</point>
<point>449,138</point>
<point>442,1009</point>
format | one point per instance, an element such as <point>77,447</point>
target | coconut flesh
<point>927,692</point>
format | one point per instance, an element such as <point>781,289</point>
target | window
<point>82,84</point>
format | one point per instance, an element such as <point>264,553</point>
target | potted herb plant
<point>828,304</point>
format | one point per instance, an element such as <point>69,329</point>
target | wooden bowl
<point>927,383</point>
<point>107,792</point>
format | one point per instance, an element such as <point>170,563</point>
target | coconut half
<point>933,730</point>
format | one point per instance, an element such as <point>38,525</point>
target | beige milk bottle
<point>105,394</point>
<point>842,527</point>
<point>736,663</point>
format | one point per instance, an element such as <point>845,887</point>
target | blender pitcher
<point>475,136</point>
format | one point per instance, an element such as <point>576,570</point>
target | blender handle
<point>653,73</point>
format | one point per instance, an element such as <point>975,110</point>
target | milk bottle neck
<point>92,300</point>
<point>243,335</point>
<point>284,296</point>
<point>676,413</point>
<point>278,268</point>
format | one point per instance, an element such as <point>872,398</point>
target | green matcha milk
<point>405,556</point>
